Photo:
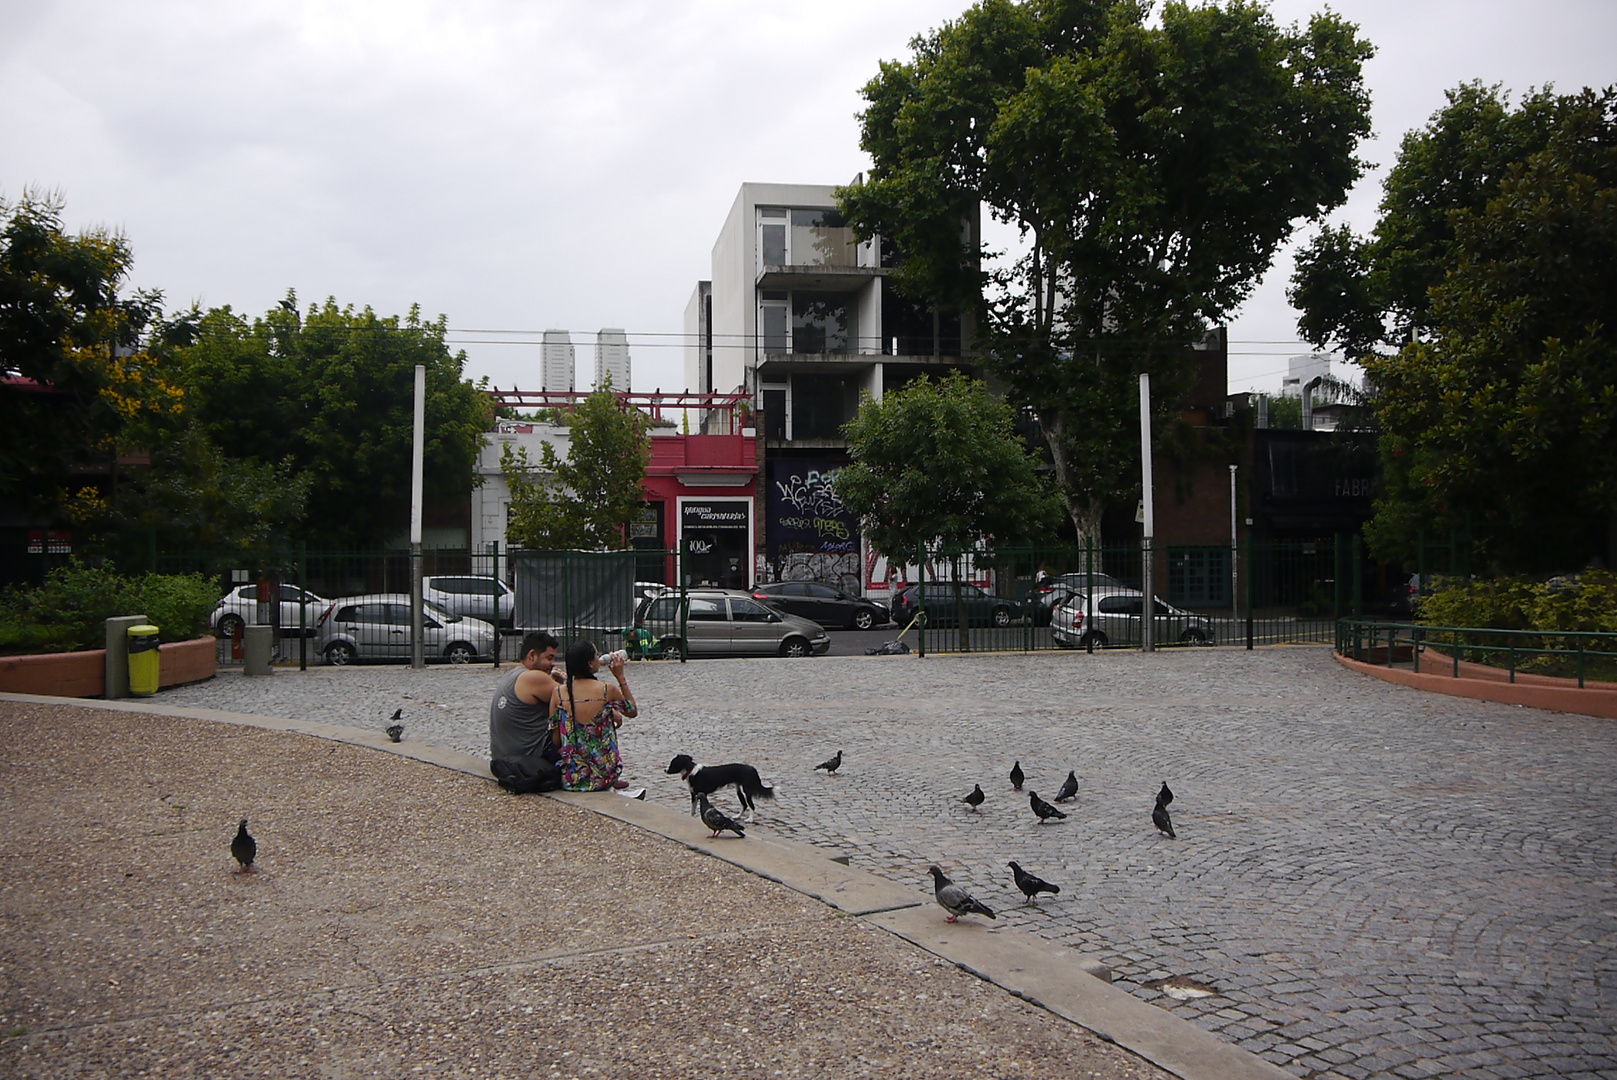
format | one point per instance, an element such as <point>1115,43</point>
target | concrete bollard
<point>116,683</point>
<point>257,643</point>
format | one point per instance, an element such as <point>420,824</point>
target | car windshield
<point>440,612</point>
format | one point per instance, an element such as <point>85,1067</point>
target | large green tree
<point>939,464</point>
<point>586,500</point>
<point>328,395</point>
<point>1152,168</point>
<point>73,355</point>
<point>1499,420</point>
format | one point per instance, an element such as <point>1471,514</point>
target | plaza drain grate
<point>1181,987</point>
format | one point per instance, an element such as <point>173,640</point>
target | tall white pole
<point>1148,605</point>
<point>417,660</point>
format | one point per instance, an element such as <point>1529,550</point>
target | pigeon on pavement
<point>1031,886</point>
<point>398,714</point>
<point>1042,808</point>
<point>1016,777</point>
<point>715,819</point>
<point>1165,796</point>
<point>244,848</point>
<point>975,799</point>
<point>1160,818</point>
<point>395,732</point>
<point>1069,788</point>
<point>955,900</point>
<point>831,766</point>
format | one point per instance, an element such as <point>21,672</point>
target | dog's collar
<point>690,772</point>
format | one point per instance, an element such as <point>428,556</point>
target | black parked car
<point>982,609</point>
<point>822,603</point>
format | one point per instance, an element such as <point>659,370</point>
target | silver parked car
<point>376,626</point>
<point>727,622</point>
<point>239,607</point>
<point>1117,618</point>
<point>468,594</point>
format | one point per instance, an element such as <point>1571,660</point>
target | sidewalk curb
<point>1049,976</point>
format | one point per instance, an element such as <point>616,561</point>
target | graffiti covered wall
<point>810,534</point>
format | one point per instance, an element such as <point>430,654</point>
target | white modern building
<point>804,319</point>
<point>556,361</point>
<point>1303,370</point>
<point>612,358</point>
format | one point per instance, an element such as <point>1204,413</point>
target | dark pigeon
<point>244,848</point>
<point>1165,796</point>
<point>830,766</point>
<point>975,799</point>
<point>1031,886</point>
<point>955,900</point>
<point>1160,818</point>
<point>1016,776</point>
<point>715,819</point>
<point>1069,788</point>
<point>398,714</point>
<point>395,732</point>
<point>1042,808</point>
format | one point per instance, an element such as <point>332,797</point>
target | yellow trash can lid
<point>142,630</point>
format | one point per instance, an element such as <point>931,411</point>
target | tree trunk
<point>1085,511</point>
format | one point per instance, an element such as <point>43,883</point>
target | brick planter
<point>83,674</point>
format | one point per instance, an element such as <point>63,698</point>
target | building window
<point>821,323</point>
<point>821,404</point>
<point>772,322</point>
<point>819,237</point>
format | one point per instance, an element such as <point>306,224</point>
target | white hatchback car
<point>376,626</point>
<point>239,607</point>
<point>468,594</point>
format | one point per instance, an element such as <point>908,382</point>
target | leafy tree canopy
<point>938,464</point>
<point>1152,169</point>
<point>586,501</point>
<point>328,395</point>
<point>1356,292</point>
<point>75,361</point>
<point>1501,422</point>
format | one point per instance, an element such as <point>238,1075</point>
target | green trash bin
<point>143,660</point>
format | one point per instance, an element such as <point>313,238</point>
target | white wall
<point>493,496</point>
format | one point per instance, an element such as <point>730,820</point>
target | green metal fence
<point>1582,655</point>
<point>1032,598</point>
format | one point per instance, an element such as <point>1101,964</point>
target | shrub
<point>1585,602</point>
<point>69,611</point>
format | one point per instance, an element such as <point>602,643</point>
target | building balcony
<point>817,277</point>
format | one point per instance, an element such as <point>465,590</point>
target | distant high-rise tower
<point>556,361</point>
<point>612,358</point>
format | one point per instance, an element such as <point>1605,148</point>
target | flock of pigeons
<point>957,902</point>
<point>951,897</point>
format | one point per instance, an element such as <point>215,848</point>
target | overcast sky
<point>519,166</point>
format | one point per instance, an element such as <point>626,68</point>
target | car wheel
<point>794,646</point>
<point>340,654</point>
<point>1002,616</point>
<point>1193,636</point>
<point>1094,638</point>
<point>864,619</point>
<point>671,649</point>
<point>460,653</point>
<point>230,626</point>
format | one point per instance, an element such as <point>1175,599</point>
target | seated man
<point>519,715</point>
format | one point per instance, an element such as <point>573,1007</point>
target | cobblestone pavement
<point>1375,881</point>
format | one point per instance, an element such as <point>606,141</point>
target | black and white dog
<point>706,779</point>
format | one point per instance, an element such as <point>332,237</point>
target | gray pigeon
<point>395,732</point>
<point>1042,808</point>
<point>715,819</point>
<point>955,900</point>
<point>1069,788</point>
<point>830,766</point>
<point>244,848</point>
<point>1165,796</point>
<point>1160,818</point>
<point>1016,776</point>
<point>975,799</point>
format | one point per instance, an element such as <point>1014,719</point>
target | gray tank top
<point>516,728</point>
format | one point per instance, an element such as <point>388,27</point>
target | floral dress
<point>589,750</point>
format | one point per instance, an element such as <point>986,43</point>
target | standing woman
<point>585,714</point>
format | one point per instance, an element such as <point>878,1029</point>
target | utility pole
<point>1235,553</point>
<point>416,658</point>
<point>1148,602</point>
